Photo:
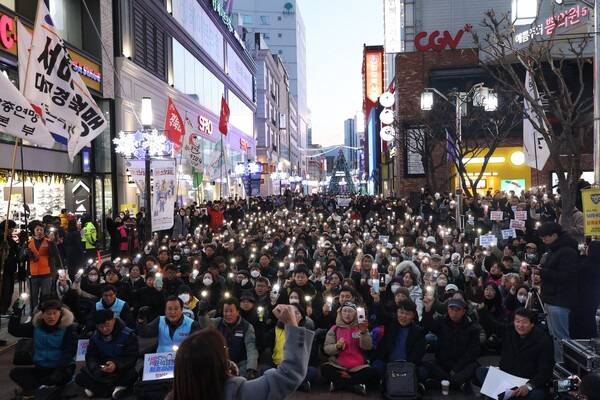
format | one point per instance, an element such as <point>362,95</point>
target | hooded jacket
<point>352,357</point>
<point>53,346</point>
<point>559,272</point>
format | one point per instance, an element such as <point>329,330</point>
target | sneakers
<point>120,392</point>
<point>88,393</point>
<point>331,387</point>
<point>360,389</point>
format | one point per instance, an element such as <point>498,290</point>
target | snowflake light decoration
<point>156,143</point>
<point>125,144</point>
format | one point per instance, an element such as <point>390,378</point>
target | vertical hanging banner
<point>24,39</point>
<point>534,145</point>
<point>137,171</point>
<point>57,91</point>
<point>174,126</point>
<point>192,151</point>
<point>224,118</point>
<point>591,211</point>
<point>164,175</point>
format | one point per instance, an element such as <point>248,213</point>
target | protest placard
<point>159,366</point>
<point>82,345</point>
<point>496,215</point>
<point>517,224</point>
<point>509,233</point>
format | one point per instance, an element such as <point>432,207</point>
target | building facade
<point>46,179</point>
<point>282,26</point>
<point>186,50</point>
<point>351,140</point>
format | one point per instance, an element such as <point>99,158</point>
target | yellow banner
<point>591,211</point>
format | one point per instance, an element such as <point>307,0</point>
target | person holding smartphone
<point>41,250</point>
<point>346,344</point>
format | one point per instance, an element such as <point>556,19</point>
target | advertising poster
<point>164,175</point>
<point>591,211</point>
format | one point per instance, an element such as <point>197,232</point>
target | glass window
<point>10,4</point>
<point>66,15</point>
<point>242,116</point>
<point>264,20</point>
<point>247,19</point>
<point>178,66</point>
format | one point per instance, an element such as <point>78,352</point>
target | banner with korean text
<point>164,174</point>
<point>591,211</point>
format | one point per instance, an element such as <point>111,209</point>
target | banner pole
<point>5,247</point>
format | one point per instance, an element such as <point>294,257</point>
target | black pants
<point>30,378</point>
<point>439,373</point>
<point>102,385</point>
<point>8,288</point>
<point>367,376</point>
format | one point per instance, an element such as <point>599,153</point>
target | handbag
<point>23,352</point>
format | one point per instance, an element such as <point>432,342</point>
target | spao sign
<point>438,41</point>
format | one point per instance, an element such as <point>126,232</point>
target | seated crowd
<point>376,282</point>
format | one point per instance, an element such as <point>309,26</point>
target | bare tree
<point>560,111</point>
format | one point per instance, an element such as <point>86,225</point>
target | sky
<point>335,33</point>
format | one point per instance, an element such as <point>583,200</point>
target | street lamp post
<point>147,119</point>
<point>481,96</point>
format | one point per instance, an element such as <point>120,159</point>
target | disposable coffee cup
<point>445,388</point>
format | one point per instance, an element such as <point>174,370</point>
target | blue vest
<point>165,342</point>
<point>235,339</point>
<point>116,308</point>
<point>47,347</point>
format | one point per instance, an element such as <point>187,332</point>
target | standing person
<point>74,250</point>
<point>88,236</point>
<point>181,224</point>
<point>110,358</point>
<point>11,262</point>
<point>122,237</point>
<point>40,250</point>
<point>558,273</point>
<point>583,314</point>
<point>203,369</point>
<point>111,228</point>
<point>216,217</point>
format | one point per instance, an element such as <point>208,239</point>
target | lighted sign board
<point>517,185</point>
<point>573,16</point>
<point>374,74</point>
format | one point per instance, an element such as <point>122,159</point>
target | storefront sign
<point>205,125</point>
<point>89,70</point>
<point>219,7</point>
<point>393,11</point>
<point>591,211</point>
<point>374,74</point>
<point>163,194</point>
<point>438,41</point>
<point>81,199</point>
<point>159,366</point>
<point>244,145</point>
<point>571,17</point>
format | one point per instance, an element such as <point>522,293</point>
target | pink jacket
<point>352,357</point>
<point>123,245</point>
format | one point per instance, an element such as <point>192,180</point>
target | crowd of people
<point>358,287</point>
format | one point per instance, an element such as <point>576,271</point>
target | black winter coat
<point>415,343</point>
<point>559,272</point>
<point>458,344</point>
<point>530,357</point>
<point>583,314</point>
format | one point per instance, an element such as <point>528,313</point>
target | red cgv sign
<point>438,41</point>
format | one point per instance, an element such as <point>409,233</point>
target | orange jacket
<point>42,265</point>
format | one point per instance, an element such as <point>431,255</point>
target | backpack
<point>400,381</point>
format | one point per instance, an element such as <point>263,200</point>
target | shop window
<point>264,20</point>
<point>10,4</point>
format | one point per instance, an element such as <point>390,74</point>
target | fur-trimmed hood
<point>67,319</point>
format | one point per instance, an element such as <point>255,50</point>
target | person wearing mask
<point>458,345</point>
<point>527,352</point>
<point>191,305</point>
<point>110,301</point>
<point>54,347</point>
<point>41,250</point>
<point>11,263</point>
<point>558,272</point>
<point>346,345</point>
<point>90,285</point>
<point>240,337</point>
<point>110,358</point>
<point>203,369</point>
<point>403,340</point>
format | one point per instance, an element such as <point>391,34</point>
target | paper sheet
<point>498,381</point>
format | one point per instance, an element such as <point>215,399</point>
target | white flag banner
<point>52,85</point>
<point>18,118</point>
<point>164,174</point>
<point>215,169</point>
<point>192,150</point>
<point>24,38</point>
<point>137,171</point>
<point>534,145</point>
